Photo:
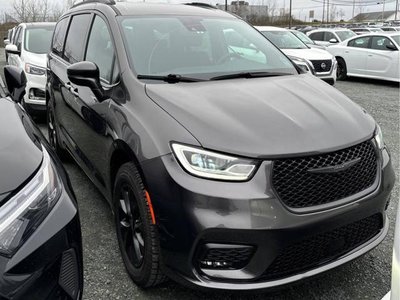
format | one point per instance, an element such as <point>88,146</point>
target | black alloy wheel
<point>136,232</point>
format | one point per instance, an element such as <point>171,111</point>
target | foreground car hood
<point>19,156</point>
<point>310,54</point>
<point>265,117</point>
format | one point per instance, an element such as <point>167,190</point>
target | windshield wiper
<point>170,78</point>
<point>249,75</point>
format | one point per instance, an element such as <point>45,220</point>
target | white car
<point>395,293</point>
<point>371,56</point>
<point>316,61</point>
<point>330,36</point>
<point>29,52</point>
<point>306,40</point>
<point>365,30</point>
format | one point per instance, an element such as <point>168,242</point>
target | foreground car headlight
<point>379,137</point>
<point>213,165</point>
<point>24,212</point>
<point>34,70</point>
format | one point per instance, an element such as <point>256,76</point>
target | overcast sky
<point>301,8</point>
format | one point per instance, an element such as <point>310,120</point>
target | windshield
<point>396,38</point>
<point>284,40</point>
<point>38,39</point>
<point>199,47</point>
<point>344,35</point>
<point>304,38</point>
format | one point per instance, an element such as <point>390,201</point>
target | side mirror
<point>12,49</point>
<point>391,47</point>
<point>333,41</point>
<point>86,73</point>
<point>16,82</point>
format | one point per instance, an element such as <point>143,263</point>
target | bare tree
<point>20,10</point>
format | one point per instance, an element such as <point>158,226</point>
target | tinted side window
<point>59,36</point>
<point>73,50</point>
<point>380,43</point>
<point>329,36</point>
<point>100,49</point>
<point>317,36</point>
<point>18,39</point>
<point>359,43</point>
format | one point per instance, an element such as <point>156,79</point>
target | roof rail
<point>200,4</point>
<point>108,2</point>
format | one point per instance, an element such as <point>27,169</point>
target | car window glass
<point>100,49</point>
<point>38,39</point>
<point>380,43</point>
<point>19,38</point>
<point>59,36</point>
<point>201,47</point>
<point>359,43</point>
<point>284,39</point>
<point>14,38</point>
<point>73,50</point>
<point>329,36</point>
<point>317,36</point>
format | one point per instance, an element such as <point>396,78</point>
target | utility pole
<point>323,11</point>
<point>327,12</point>
<point>354,7</point>
<point>226,5</point>
<point>397,9</point>
<point>290,14</point>
<point>383,10</point>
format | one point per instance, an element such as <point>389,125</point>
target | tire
<point>341,72</point>
<point>137,235</point>
<point>53,136</point>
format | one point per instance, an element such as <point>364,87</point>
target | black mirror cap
<point>16,82</point>
<point>391,47</point>
<point>86,73</point>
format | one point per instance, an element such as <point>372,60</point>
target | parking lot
<point>365,278</point>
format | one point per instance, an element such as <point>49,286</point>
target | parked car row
<point>225,163</point>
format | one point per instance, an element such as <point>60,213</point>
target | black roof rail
<point>200,4</point>
<point>108,2</point>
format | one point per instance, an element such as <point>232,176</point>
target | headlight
<point>34,70</point>
<point>22,214</point>
<point>303,64</point>
<point>213,165</point>
<point>379,137</point>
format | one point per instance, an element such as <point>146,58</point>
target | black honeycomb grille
<point>69,274</point>
<point>297,187</point>
<point>227,258</point>
<point>322,66</point>
<point>323,248</point>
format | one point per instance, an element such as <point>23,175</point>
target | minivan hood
<point>19,155</point>
<point>265,117</point>
<point>309,53</point>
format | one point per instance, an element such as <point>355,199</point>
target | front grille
<point>322,66</point>
<point>298,187</point>
<point>228,257</point>
<point>323,248</point>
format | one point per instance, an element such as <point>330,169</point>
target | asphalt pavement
<point>365,278</point>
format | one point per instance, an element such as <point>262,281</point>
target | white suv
<point>318,62</point>
<point>29,52</point>
<point>331,36</point>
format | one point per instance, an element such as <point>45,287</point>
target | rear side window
<point>59,36</point>
<point>100,49</point>
<point>317,36</point>
<point>73,50</point>
<point>380,43</point>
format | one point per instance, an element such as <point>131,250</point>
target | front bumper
<point>37,85</point>
<point>49,264</point>
<point>193,212</point>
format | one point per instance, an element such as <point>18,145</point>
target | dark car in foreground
<point>40,237</point>
<point>224,165</point>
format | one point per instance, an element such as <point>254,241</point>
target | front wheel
<point>137,235</point>
<point>341,72</point>
<point>53,136</point>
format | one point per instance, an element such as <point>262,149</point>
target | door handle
<point>74,91</point>
<point>346,51</point>
<point>370,55</point>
